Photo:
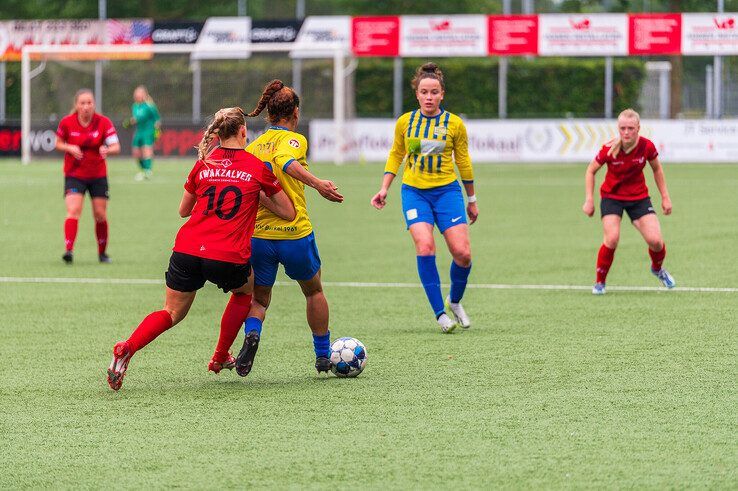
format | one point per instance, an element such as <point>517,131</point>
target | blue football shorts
<point>443,206</point>
<point>299,257</point>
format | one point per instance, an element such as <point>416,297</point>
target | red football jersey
<point>624,179</point>
<point>227,189</point>
<point>89,139</point>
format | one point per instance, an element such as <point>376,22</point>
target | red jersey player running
<point>221,198</point>
<point>86,138</point>
<point>625,189</point>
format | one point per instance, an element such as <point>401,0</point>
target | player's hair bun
<point>430,67</point>
<point>428,70</point>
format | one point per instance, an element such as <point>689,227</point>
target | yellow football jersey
<point>429,147</point>
<point>280,148</point>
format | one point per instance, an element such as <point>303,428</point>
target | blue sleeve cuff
<point>388,172</point>
<point>289,162</point>
<point>468,182</point>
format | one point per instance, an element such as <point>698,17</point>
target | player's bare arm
<point>326,188</point>
<point>280,204</point>
<point>589,184</point>
<point>380,199</point>
<point>65,147</point>
<point>472,210</point>
<point>660,179</point>
<point>187,203</point>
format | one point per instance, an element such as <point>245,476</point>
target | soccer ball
<point>348,357</point>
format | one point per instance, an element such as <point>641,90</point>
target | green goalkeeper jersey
<point>146,115</point>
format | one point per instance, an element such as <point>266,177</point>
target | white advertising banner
<point>450,35</point>
<point>583,35</point>
<point>330,32</point>
<point>710,34</point>
<point>220,32</point>
<point>566,140</point>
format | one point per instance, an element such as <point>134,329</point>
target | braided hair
<point>279,100</point>
<point>225,124</point>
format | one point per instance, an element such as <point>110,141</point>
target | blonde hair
<point>225,124</point>
<point>147,97</point>
<point>76,96</point>
<point>617,144</point>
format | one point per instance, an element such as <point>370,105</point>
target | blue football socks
<point>428,273</point>
<point>252,324</point>
<point>322,345</point>
<point>459,276</point>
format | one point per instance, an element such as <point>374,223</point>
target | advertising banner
<point>274,31</point>
<point>330,32</point>
<point>655,34</point>
<point>15,34</point>
<point>583,35</point>
<point>176,32</point>
<point>375,36</point>
<point>566,140</point>
<point>513,35</point>
<point>10,140</point>
<point>450,35</point>
<point>710,34</point>
<point>220,32</point>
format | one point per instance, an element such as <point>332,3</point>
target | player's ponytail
<point>271,88</point>
<point>428,70</point>
<point>225,124</point>
<point>617,144</point>
<point>279,100</point>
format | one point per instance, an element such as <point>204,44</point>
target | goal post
<point>66,53</point>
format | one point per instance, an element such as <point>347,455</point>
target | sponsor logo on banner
<point>583,35</point>
<point>221,32</point>
<point>375,36</point>
<point>710,34</point>
<point>452,35</point>
<point>330,32</point>
<point>511,35</point>
<point>274,31</point>
<point>176,32</point>
<point>566,140</point>
<point>654,34</point>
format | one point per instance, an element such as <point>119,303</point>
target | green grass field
<point>549,389</point>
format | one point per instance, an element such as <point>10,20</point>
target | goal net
<point>187,85</point>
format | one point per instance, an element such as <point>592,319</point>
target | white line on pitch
<point>355,284</point>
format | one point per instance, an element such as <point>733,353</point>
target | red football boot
<point>216,366</point>
<point>119,365</point>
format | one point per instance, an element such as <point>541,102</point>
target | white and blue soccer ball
<point>348,357</point>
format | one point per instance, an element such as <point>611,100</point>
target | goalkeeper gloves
<point>157,133</point>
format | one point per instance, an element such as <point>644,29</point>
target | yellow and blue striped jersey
<point>429,146</point>
<point>280,148</point>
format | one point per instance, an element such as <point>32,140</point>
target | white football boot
<point>447,325</point>
<point>460,314</point>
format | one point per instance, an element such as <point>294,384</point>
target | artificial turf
<point>549,388</point>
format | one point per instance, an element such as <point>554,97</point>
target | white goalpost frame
<point>339,56</point>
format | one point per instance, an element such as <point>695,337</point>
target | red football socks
<point>657,258</point>
<point>70,232</point>
<point>604,261</point>
<point>101,231</point>
<point>150,328</point>
<point>234,315</point>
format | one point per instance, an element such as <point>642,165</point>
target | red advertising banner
<point>511,35</point>
<point>375,36</point>
<point>655,34</point>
